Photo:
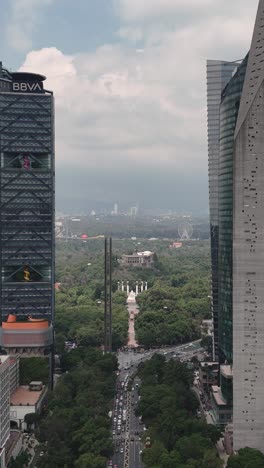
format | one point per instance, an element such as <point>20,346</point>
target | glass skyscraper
<point>240,256</point>
<point>228,117</point>
<point>218,75</point>
<point>26,213</point>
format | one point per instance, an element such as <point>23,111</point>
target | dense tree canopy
<point>246,458</point>
<point>76,430</point>
<point>168,408</point>
<point>170,312</point>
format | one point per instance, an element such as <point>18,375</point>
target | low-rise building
<point>176,245</point>
<point>25,400</point>
<point>228,439</point>
<point>208,374</point>
<point>222,397</point>
<point>138,259</point>
<point>14,445</point>
<point>4,405</point>
<point>14,373</point>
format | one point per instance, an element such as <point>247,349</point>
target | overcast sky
<point>130,88</point>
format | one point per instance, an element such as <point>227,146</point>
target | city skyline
<point>129,93</point>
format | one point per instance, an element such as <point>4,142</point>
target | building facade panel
<point>228,117</point>
<point>218,75</point>
<point>4,400</point>
<point>26,204</point>
<point>248,278</point>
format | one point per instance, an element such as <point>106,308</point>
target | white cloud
<point>139,9</point>
<point>147,10</point>
<point>120,106</point>
<point>133,34</point>
<point>23,21</point>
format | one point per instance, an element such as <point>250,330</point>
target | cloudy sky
<point>130,88</point>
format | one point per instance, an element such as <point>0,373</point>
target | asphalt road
<point>127,400</point>
<point>136,430</point>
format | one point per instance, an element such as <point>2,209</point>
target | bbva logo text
<point>27,87</point>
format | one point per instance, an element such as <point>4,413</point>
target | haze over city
<point>132,234</point>
<point>129,81</point>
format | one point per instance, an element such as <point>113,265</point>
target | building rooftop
<point>208,364</point>
<point>214,388</point>
<point>217,396</point>
<point>23,396</point>
<point>226,371</point>
<point>147,253</point>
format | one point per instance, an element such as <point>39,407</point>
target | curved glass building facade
<point>228,117</point>
<point>218,74</point>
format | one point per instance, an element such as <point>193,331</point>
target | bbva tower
<point>26,214</point>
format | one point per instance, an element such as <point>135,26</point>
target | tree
<point>33,368</point>
<point>77,428</point>
<point>32,419</point>
<point>88,460</point>
<point>212,460</point>
<point>207,344</point>
<point>152,455</point>
<point>246,458</point>
<point>20,461</point>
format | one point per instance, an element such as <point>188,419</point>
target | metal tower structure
<point>26,212</point>
<point>108,296</point>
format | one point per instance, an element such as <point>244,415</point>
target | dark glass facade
<point>219,74</point>
<point>26,197</point>
<point>228,117</point>
<point>227,388</point>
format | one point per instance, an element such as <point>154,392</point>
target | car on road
<point>132,439</point>
<point>114,432</point>
<point>121,450</point>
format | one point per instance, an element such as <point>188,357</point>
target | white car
<point>121,450</point>
<point>115,419</point>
